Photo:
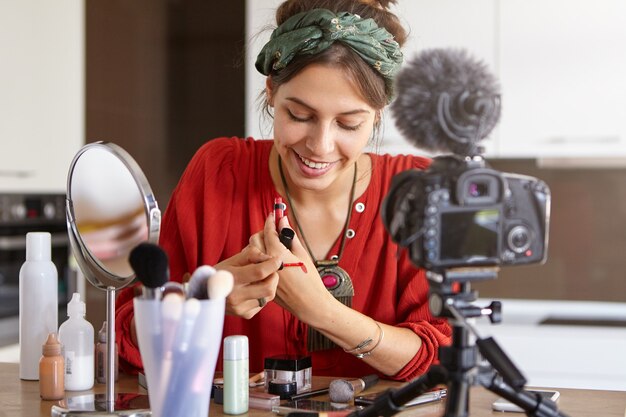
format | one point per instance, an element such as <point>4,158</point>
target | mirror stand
<point>110,368</point>
<point>110,209</point>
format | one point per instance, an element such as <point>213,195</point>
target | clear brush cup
<point>179,354</point>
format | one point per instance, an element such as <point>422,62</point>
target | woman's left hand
<point>300,289</point>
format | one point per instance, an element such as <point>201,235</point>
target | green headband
<point>314,31</point>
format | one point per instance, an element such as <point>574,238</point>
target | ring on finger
<point>262,302</point>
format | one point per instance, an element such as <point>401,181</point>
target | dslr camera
<point>460,213</point>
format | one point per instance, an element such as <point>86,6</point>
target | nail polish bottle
<point>101,356</point>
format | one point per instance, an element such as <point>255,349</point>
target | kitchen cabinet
<point>561,66</point>
<point>41,93</point>
<point>563,73</point>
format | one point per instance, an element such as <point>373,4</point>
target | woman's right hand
<point>256,278</point>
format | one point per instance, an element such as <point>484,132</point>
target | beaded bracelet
<point>366,343</point>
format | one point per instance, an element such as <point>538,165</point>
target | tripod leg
<point>457,400</point>
<point>533,404</point>
<point>459,359</point>
<point>503,378</point>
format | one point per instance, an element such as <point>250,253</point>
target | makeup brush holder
<point>179,377</point>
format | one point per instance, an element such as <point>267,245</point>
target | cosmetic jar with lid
<point>289,368</point>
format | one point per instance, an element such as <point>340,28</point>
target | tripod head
<point>450,291</point>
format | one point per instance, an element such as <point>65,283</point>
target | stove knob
<point>18,211</point>
<point>49,211</point>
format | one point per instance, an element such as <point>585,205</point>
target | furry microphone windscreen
<point>447,101</point>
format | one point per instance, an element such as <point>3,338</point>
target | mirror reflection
<point>111,213</point>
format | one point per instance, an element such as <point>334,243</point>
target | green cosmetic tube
<point>236,374</point>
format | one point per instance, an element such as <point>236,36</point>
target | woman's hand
<point>302,293</point>
<point>256,280</point>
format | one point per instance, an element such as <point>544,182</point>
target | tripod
<point>451,297</point>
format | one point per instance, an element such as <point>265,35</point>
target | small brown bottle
<point>52,370</point>
<point>101,356</point>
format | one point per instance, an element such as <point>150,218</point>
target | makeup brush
<point>197,285</point>
<point>191,311</point>
<point>181,359</point>
<point>220,284</point>
<point>171,312</point>
<point>173,287</point>
<point>150,264</point>
<point>151,267</point>
<point>343,391</point>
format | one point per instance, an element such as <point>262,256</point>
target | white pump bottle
<point>77,336</point>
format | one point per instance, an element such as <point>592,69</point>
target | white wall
<point>41,92</point>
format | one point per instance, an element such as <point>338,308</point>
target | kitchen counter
<point>21,399</point>
<point>564,344</point>
<point>585,353</point>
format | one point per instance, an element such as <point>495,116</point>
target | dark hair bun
<point>374,9</point>
<point>381,4</point>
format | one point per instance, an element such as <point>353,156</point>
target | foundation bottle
<point>51,370</point>
<point>101,356</point>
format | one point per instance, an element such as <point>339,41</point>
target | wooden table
<point>21,399</point>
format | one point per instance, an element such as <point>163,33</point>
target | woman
<point>329,67</point>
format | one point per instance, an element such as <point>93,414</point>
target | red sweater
<point>224,197</point>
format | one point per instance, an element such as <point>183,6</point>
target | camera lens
<point>478,189</point>
<point>519,239</point>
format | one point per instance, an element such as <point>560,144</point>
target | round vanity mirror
<point>110,209</point>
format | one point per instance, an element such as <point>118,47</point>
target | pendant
<point>336,280</point>
<point>338,283</point>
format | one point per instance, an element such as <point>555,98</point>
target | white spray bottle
<point>77,336</point>
<point>38,302</point>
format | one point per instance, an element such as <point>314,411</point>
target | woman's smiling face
<point>321,125</point>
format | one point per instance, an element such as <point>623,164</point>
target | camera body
<point>461,213</point>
